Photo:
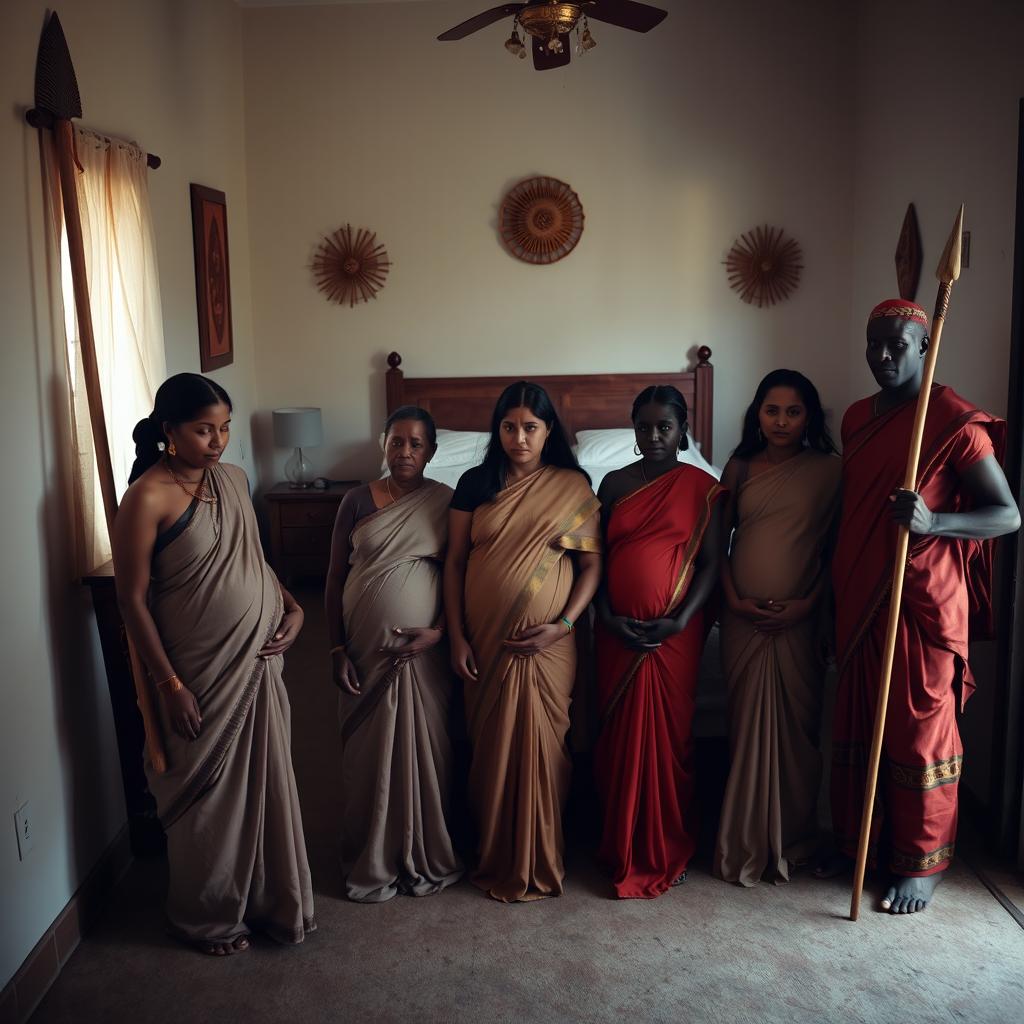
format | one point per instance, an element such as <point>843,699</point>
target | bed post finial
<point>704,388</point>
<point>394,384</point>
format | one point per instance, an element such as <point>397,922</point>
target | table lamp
<point>298,428</point>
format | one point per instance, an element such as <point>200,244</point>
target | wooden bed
<point>586,401</point>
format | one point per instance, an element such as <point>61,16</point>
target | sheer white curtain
<point>124,294</point>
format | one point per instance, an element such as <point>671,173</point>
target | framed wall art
<point>213,281</point>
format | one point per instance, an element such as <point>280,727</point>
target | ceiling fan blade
<point>627,14</point>
<point>544,59</point>
<point>480,21</point>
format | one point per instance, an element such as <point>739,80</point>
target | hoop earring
<point>171,450</point>
<point>636,450</point>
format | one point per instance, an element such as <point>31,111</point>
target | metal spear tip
<point>56,85</point>
<point>948,269</point>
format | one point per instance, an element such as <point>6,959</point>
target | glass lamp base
<point>297,470</point>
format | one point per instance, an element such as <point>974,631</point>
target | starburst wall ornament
<point>764,266</point>
<point>350,268</point>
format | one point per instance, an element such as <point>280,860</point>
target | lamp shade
<point>298,428</point>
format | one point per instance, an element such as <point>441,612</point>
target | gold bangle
<point>339,647</point>
<point>170,685</point>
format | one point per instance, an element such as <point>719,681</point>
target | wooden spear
<point>948,271</point>
<point>57,100</point>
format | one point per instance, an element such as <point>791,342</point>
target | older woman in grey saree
<point>396,683</point>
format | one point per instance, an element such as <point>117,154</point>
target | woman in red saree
<point>662,551</point>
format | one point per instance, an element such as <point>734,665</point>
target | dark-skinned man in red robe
<point>962,501</point>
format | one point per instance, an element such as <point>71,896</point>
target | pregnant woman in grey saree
<point>211,622</point>
<point>385,625</point>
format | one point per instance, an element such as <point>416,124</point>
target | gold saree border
<point>900,861</point>
<point>929,776</point>
<point>689,558</point>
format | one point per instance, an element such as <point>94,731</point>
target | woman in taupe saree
<point>210,622</point>
<point>385,624</point>
<point>784,481</point>
<point>512,595</point>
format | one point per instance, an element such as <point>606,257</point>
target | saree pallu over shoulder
<point>643,759</point>
<point>236,854</point>
<point>396,753</point>
<point>948,582</point>
<point>518,711</point>
<point>660,528</point>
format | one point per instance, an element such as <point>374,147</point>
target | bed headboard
<point>585,401</point>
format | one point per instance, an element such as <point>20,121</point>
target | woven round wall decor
<point>541,220</point>
<point>350,268</point>
<point>764,266</point>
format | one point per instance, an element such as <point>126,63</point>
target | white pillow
<point>455,448</point>
<point>461,447</point>
<point>602,447</point>
<point>600,451</point>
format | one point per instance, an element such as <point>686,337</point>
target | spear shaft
<point>948,271</point>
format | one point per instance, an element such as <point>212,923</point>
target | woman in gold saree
<point>784,481</point>
<point>210,622</point>
<point>523,563</point>
<point>385,624</point>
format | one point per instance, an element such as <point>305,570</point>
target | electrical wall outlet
<point>23,826</point>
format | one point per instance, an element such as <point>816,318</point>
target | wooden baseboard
<point>33,979</point>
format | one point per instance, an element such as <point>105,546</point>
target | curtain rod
<point>39,118</point>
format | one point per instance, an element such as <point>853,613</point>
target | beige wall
<point>169,74</point>
<point>936,125</point>
<point>678,141</point>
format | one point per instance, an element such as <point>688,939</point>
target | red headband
<point>900,309</point>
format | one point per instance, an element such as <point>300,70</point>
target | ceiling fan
<point>549,23</point>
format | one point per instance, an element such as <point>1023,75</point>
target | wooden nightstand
<point>301,521</point>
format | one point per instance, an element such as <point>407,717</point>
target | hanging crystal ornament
<point>588,42</point>
<point>514,44</point>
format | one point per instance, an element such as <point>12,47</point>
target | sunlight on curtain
<point>124,295</point>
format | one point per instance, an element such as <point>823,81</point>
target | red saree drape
<point>643,758</point>
<point>947,585</point>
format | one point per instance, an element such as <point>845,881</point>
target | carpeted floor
<point>704,952</point>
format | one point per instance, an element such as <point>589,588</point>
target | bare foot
<point>909,895</point>
<point>832,865</point>
<point>239,945</point>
